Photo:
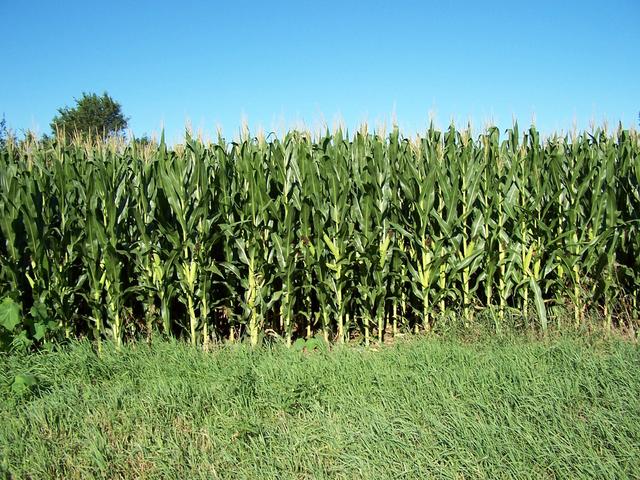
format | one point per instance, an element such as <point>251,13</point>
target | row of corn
<point>340,235</point>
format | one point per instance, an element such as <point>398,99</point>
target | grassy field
<point>566,407</point>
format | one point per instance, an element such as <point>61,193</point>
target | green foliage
<point>144,141</point>
<point>365,236</point>
<point>11,327</point>
<point>9,314</point>
<point>3,132</point>
<point>18,332</point>
<point>93,116</point>
<point>23,383</point>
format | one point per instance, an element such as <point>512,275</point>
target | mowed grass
<point>423,408</point>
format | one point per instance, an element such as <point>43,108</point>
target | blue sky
<point>282,63</point>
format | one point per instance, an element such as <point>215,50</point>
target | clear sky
<point>281,63</point>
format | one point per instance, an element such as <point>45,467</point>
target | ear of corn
<point>338,235</point>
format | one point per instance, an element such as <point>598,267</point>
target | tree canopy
<point>93,116</point>
<point>3,131</point>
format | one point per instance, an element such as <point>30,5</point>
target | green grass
<point>424,408</point>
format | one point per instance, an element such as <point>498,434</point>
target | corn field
<point>364,235</point>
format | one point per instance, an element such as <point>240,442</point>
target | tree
<point>3,132</point>
<point>144,140</point>
<point>93,117</point>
